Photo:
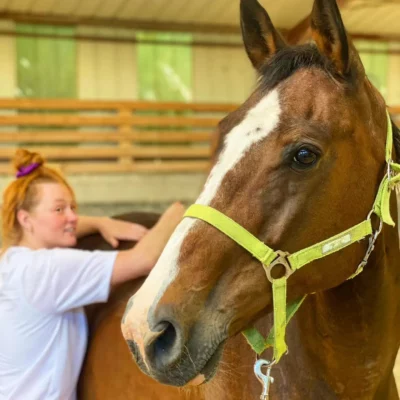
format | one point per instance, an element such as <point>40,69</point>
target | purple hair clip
<point>23,171</point>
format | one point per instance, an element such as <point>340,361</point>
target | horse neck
<point>342,342</point>
<point>346,339</point>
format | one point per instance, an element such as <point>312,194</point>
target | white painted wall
<point>393,90</point>
<point>106,70</point>
<point>222,75</point>
<point>8,70</point>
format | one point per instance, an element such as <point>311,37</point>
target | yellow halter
<point>292,262</point>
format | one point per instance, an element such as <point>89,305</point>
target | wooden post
<point>124,130</point>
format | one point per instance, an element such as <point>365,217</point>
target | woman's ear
<point>24,219</point>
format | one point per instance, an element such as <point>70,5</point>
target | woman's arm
<point>140,260</point>
<point>112,230</point>
<point>86,225</point>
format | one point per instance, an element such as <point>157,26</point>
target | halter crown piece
<point>292,262</point>
<point>26,170</point>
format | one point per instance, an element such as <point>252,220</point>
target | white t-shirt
<point>43,328</point>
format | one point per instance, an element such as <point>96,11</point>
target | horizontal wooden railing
<point>111,136</point>
<point>395,113</point>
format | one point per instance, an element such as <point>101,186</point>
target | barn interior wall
<point>108,70</point>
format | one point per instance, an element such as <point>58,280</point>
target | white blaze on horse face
<point>258,123</point>
<point>135,324</point>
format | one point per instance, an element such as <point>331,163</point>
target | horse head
<point>299,161</point>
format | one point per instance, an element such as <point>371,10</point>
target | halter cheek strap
<point>292,262</point>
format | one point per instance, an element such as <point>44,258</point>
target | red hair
<point>22,193</point>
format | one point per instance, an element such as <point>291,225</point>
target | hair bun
<point>23,158</point>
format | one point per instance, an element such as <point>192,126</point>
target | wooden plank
<point>169,13</point>
<point>98,105</point>
<point>208,11</point>
<point>120,22</point>
<point>125,144</point>
<point>132,9</point>
<point>170,152</point>
<point>84,137</point>
<point>44,7</point>
<point>86,8</point>
<point>83,120</point>
<point>394,109</point>
<point>3,4</point>
<point>66,7</point>
<point>108,8</point>
<point>90,153</point>
<point>78,120</point>
<point>140,167</point>
<point>21,6</point>
<point>61,120</point>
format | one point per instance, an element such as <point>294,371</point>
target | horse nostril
<point>165,342</point>
<point>164,348</point>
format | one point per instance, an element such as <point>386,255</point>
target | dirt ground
<point>397,371</point>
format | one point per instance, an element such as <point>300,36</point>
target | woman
<point>44,284</point>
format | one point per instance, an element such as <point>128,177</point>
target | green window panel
<point>164,70</point>
<point>376,64</point>
<point>46,67</point>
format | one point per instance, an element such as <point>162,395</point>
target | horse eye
<point>305,158</point>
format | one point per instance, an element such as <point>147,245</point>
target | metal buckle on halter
<point>371,245</point>
<point>265,379</point>
<point>282,259</point>
<point>390,174</point>
<point>389,171</point>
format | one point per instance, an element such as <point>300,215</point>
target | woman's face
<point>52,222</point>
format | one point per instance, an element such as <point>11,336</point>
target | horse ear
<point>331,38</point>
<point>260,37</point>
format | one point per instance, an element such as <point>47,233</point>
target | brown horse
<point>301,161</point>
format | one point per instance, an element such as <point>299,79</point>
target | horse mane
<point>396,141</point>
<point>289,60</point>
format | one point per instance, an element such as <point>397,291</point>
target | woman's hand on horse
<point>114,230</point>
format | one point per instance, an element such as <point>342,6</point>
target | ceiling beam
<point>299,34</point>
<point>196,43</point>
<point>119,23</point>
<point>116,39</point>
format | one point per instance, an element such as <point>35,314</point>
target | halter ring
<point>282,259</point>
